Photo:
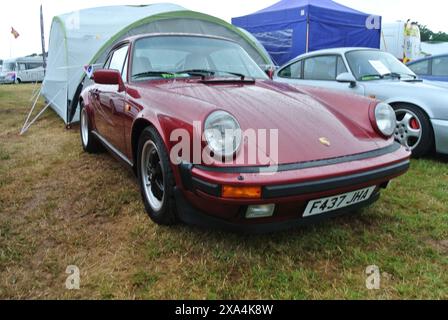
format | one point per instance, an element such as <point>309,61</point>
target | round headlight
<point>222,133</point>
<point>386,119</point>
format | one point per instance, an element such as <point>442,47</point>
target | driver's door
<point>111,102</point>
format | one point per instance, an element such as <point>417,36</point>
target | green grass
<point>60,207</point>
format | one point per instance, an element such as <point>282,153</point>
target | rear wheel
<point>414,129</point>
<point>89,143</point>
<point>156,178</point>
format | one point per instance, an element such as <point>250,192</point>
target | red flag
<point>14,33</point>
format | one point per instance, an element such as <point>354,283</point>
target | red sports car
<point>214,142</point>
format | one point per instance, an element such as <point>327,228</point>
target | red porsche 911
<point>214,142</point>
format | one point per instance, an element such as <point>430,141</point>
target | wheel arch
<point>398,103</point>
<point>138,126</point>
<point>422,109</point>
<point>418,104</point>
<point>84,103</point>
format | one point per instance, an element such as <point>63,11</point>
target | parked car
<point>421,108</point>
<point>433,69</point>
<point>153,86</point>
<point>18,70</point>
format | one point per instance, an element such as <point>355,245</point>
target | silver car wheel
<point>84,127</point>
<point>152,176</point>
<point>409,129</point>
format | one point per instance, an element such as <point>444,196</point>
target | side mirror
<point>109,77</point>
<point>347,77</point>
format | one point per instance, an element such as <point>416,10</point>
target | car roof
<point>428,58</point>
<point>339,51</point>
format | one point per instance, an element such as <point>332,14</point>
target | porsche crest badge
<point>325,141</point>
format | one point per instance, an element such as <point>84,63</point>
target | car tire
<point>414,129</point>
<point>17,81</point>
<point>89,142</point>
<point>156,178</point>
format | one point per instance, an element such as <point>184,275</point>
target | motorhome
<point>402,39</point>
<point>26,69</point>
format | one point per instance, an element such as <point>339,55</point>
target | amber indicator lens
<point>241,192</point>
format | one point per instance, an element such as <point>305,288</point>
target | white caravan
<point>26,69</point>
<point>401,39</point>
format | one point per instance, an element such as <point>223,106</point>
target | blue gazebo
<point>292,27</point>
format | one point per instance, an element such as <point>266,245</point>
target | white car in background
<point>421,108</point>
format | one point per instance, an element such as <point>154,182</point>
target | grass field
<point>60,207</point>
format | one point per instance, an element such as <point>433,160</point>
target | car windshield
<point>188,56</point>
<point>372,65</point>
<point>9,66</point>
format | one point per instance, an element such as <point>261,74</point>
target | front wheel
<point>156,178</point>
<point>414,130</point>
<point>89,142</point>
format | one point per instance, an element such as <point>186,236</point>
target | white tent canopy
<point>84,38</point>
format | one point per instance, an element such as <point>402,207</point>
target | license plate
<point>320,206</point>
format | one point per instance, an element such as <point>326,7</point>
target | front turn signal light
<point>241,192</point>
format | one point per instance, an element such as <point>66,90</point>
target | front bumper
<point>4,80</point>
<point>192,216</point>
<point>290,189</point>
<point>441,135</point>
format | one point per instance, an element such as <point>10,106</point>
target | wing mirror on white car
<point>347,77</point>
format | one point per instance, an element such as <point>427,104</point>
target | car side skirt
<point>112,149</point>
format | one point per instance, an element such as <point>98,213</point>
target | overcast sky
<point>23,15</point>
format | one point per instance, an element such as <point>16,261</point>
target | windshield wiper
<point>410,75</point>
<point>365,77</point>
<point>392,75</point>
<point>197,72</point>
<point>203,73</point>
<point>240,75</point>
<point>154,74</point>
<point>212,73</point>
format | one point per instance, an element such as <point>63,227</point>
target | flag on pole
<point>42,37</point>
<point>14,33</point>
<point>89,71</point>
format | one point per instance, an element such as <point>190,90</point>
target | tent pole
<point>27,124</point>
<point>31,111</point>
<point>35,91</point>
<point>42,35</point>
<point>307,33</point>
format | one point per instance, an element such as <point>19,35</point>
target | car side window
<point>420,67</point>
<point>440,67</point>
<point>341,68</point>
<point>293,71</point>
<point>118,60</point>
<point>320,68</point>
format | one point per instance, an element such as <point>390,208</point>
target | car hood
<point>387,88</point>
<point>302,116</point>
<point>440,84</point>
